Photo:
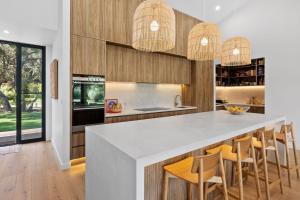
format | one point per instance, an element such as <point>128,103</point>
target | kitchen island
<point>124,160</point>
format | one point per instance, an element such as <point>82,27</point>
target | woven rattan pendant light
<point>154,27</point>
<point>204,42</point>
<point>236,51</point>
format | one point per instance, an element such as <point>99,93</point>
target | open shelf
<point>248,75</point>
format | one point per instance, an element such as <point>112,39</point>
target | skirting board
<point>62,165</point>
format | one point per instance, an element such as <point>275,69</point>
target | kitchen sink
<point>152,109</point>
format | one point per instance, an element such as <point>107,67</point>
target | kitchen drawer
<point>78,152</point>
<point>185,112</point>
<point>78,139</point>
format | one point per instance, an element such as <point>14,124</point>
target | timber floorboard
<point>33,174</point>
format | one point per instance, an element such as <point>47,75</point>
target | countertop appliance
<point>88,101</point>
<point>178,101</point>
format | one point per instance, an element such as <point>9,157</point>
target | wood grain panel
<point>200,92</point>
<point>78,19</point>
<point>184,23</point>
<point>77,152</point>
<point>129,65</point>
<point>147,116</point>
<point>119,20</point>
<point>88,56</point>
<point>88,18</point>
<point>78,139</point>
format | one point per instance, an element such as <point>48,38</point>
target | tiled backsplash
<point>137,95</point>
<point>240,94</point>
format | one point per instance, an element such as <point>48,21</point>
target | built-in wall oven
<point>88,101</point>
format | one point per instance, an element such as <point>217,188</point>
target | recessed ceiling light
<point>218,7</point>
<point>6,32</point>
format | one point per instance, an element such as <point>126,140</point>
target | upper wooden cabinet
<point>184,24</point>
<point>88,18</point>
<point>118,20</point>
<point>129,65</point>
<point>112,20</point>
<point>88,56</point>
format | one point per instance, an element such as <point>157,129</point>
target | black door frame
<point>19,91</point>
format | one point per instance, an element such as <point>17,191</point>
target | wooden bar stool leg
<point>278,162</point>
<point>205,190</point>
<point>189,191</point>
<point>256,172</point>
<point>287,157</point>
<point>240,173</point>
<point>201,182</point>
<point>233,174</point>
<point>166,186</point>
<point>295,152</point>
<point>223,179</point>
<point>264,157</point>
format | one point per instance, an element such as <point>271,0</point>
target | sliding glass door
<point>25,94</point>
<point>8,96</point>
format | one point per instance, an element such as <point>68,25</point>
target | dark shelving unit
<point>247,75</point>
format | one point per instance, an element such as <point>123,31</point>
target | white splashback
<point>138,95</point>
<point>240,94</point>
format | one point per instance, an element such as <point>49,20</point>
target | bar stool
<point>238,154</point>
<point>198,171</point>
<point>266,141</point>
<point>285,136</point>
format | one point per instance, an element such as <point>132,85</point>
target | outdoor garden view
<point>30,92</point>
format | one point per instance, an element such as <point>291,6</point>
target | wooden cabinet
<point>88,18</point>
<point>88,56</point>
<point>184,25</point>
<point>110,120</point>
<point>129,65</point>
<point>77,152</point>
<point>118,20</point>
<point>200,93</point>
<point>77,145</point>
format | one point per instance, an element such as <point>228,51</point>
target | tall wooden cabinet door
<point>88,18</point>
<point>184,25</point>
<point>118,20</point>
<point>113,62</point>
<point>88,56</point>
<point>132,65</point>
<point>78,17</point>
<point>146,69</point>
<point>205,85</point>
<point>180,40</point>
<point>164,69</point>
<point>182,71</point>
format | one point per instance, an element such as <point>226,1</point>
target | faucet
<point>178,103</point>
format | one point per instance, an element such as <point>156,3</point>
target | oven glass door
<point>88,94</point>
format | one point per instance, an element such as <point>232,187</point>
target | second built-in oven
<point>88,100</point>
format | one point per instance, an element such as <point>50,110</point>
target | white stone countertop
<point>129,112</point>
<point>154,140</point>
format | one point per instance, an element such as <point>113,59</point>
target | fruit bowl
<point>237,109</point>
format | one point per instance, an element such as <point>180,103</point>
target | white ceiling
<point>206,9</point>
<point>29,21</point>
<point>36,21</point>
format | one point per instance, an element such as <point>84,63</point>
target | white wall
<point>136,95</point>
<point>36,13</point>
<point>273,27</point>
<point>61,106</point>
